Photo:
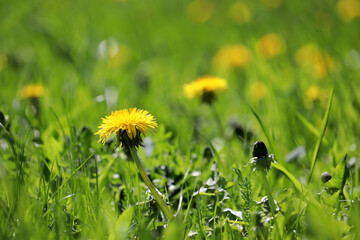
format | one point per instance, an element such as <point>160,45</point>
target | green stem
<point>218,120</point>
<point>270,198</point>
<point>151,186</point>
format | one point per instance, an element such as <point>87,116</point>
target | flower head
<point>240,12</point>
<point>258,91</point>
<point>270,45</point>
<point>317,62</point>
<point>234,56</point>
<point>261,159</point>
<point>207,87</point>
<point>128,125</point>
<point>200,10</point>
<point>32,91</point>
<point>348,9</point>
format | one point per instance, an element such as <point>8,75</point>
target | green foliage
<point>94,57</point>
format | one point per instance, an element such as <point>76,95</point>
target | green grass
<point>58,182</point>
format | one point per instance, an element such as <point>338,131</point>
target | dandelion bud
<point>261,159</point>
<point>259,149</point>
<point>325,177</point>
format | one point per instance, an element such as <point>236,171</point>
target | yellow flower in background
<point>131,122</point>
<point>118,56</point>
<point>348,9</point>
<point>240,13</point>
<point>313,93</point>
<point>115,54</point>
<point>207,87</point>
<point>232,56</point>
<point>318,63</point>
<point>270,45</point>
<point>272,3</point>
<point>258,91</point>
<point>32,91</point>
<point>200,10</point>
<point>3,61</point>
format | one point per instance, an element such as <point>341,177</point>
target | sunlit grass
<point>280,60</point>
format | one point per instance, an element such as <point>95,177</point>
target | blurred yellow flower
<point>240,12</point>
<point>313,93</point>
<point>200,10</point>
<point>115,54</point>
<point>131,122</point>
<point>207,87</point>
<point>348,9</point>
<point>118,56</point>
<point>258,91</point>
<point>3,61</point>
<point>232,56</point>
<point>32,91</point>
<point>270,45</point>
<point>318,63</point>
<point>272,3</point>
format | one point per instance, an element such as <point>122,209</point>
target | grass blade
<point>320,138</point>
<point>267,135</point>
<point>310,126</point>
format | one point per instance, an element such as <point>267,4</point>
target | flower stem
<point>270,198</point>
<point>169,215</point>
<point>217,119</point>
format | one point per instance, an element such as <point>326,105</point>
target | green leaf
<point>175,230</point>
<point>341,173</point>
<point>310,126</point>
<point>320,138</point>
<point>320,225</point>
<point>333,200</point>
<point>122,224</point>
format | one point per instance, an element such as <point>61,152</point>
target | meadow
<point>291,80</point>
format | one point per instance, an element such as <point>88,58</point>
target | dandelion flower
<point>200,10</point>
<point>32,91</point>
<point>240,13</point>
<point>318,63</point>
<point>232,56</point>
<point>313,93</point>
<point>258,91</point>
<point>270,45</point>
<point>348,9</point>
<point>127,124</point>
<point>207,87</point>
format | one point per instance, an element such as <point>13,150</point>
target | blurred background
<point>93,57</point>
<point>66,64</point>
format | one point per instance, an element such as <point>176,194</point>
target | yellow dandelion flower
<point>118,55</point>
<point>318,63</point>
<point>200,10</point>
<point>207,87</point>
<point>32,91</point>
<point>270,45</point>
<point>348,9</point>
<point>232,56</point>
<point>258,91</point>
<point>313,93</point>
<point>240,13</point>
<point>272,3</point>
<point>130,122</point>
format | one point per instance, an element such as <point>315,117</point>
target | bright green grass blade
<point>76,170</point>
<point>310,126</point>
<point>267,135</point>
<point>322,132</point>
